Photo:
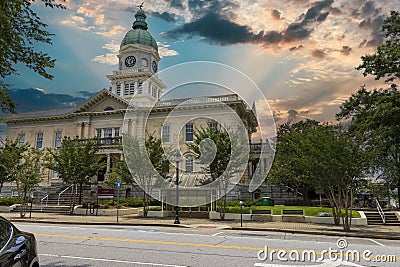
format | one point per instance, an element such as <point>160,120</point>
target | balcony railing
<point>257,146</point>
<point>106,141</point>
<point>199,100</point>
<point>127,71</point>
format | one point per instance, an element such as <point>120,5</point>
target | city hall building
<point>136,83</point>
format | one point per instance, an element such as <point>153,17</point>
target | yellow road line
<point>186,244</point>
<point>156,242</point>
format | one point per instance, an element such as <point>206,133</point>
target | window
<point>126,89</point>
<point>39,140</point>
<point>108,109</point>
<point>21,140</point>
<point>107,132</point>
<point>189,164</point>
<point>144,63</point>
<point>116,132</point>
<point>37,167</point>
<point>98,133</point>
<point>55,175</point>
<point>140,87</point>
<point>189,132</point>
<point>213,126</point>
<point>118,91</point>
<point>165,133</point>
<point>132,88</point>
<point>154,91</point>
<point>57,139</point>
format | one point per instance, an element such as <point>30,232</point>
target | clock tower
<point>136,78</point>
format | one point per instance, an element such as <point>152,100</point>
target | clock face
<point>130,61</point>
<point>154,66</point>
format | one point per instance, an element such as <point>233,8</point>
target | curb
<point>321,232</point>
<point>232,228</point>
<point>102,223</point>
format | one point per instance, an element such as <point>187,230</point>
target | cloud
<point>110,57</point>
<point>215,30</point>
<point>318,53</point>
<point>168,17</point>
<point>215,27</point>
<point>165,51</point>
<point>371,19</point>
<point>77,22</point>
<point>295,48</point>
<point>346,50</point>
<point>276,14</point>
<point>116,30</point>
<point>175,3</point>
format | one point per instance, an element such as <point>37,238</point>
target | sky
<point>302,54</point>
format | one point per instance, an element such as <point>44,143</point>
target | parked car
<point>17,248</point>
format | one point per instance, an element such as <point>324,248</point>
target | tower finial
<point>141,5</point>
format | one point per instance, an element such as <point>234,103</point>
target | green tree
<point>20,30</point>
<point>318,156</point>
<point>385,63</point>
<point>29,176</point>
<point>142,162</point>
<point>376,122</point>
<point>157,155</point>
<point>10,158</point>
<point>158,158</point>
<point>336,162</point>
<point>75,162</point>
<point>19,164</point>
<point>291,167</point>
<point>376,115</point>
<point>221,157</point>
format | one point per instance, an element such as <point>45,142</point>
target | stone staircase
<point>373,218</point>
<point>49,199</point>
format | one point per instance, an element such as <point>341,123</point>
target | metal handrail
<point>62,192</point>
<point>41,202</point>
<point>380,210</point>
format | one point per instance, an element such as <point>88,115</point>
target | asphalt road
<point>82,246</point>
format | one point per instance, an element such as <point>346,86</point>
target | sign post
<point>118,187</point>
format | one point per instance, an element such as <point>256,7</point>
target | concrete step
<point>381,223</point>
<point>374,218</point>
<point>49,209</point>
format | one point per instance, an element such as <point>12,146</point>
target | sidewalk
<point>370,231</point>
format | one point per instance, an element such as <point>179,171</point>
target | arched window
<point>145,63</point>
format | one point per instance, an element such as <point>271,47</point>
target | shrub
<point>8,201</point>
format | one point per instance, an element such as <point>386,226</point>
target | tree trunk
<point>80,193</point>
<point>334,206</point>
<point>72,201</point>
<point>145,204</point>
<point>22,209</point>
<point>223,210</point>
<point>346,224</point>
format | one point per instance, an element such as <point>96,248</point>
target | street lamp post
<point>177,158</point>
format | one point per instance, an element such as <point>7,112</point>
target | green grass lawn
<point>276,210</point>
